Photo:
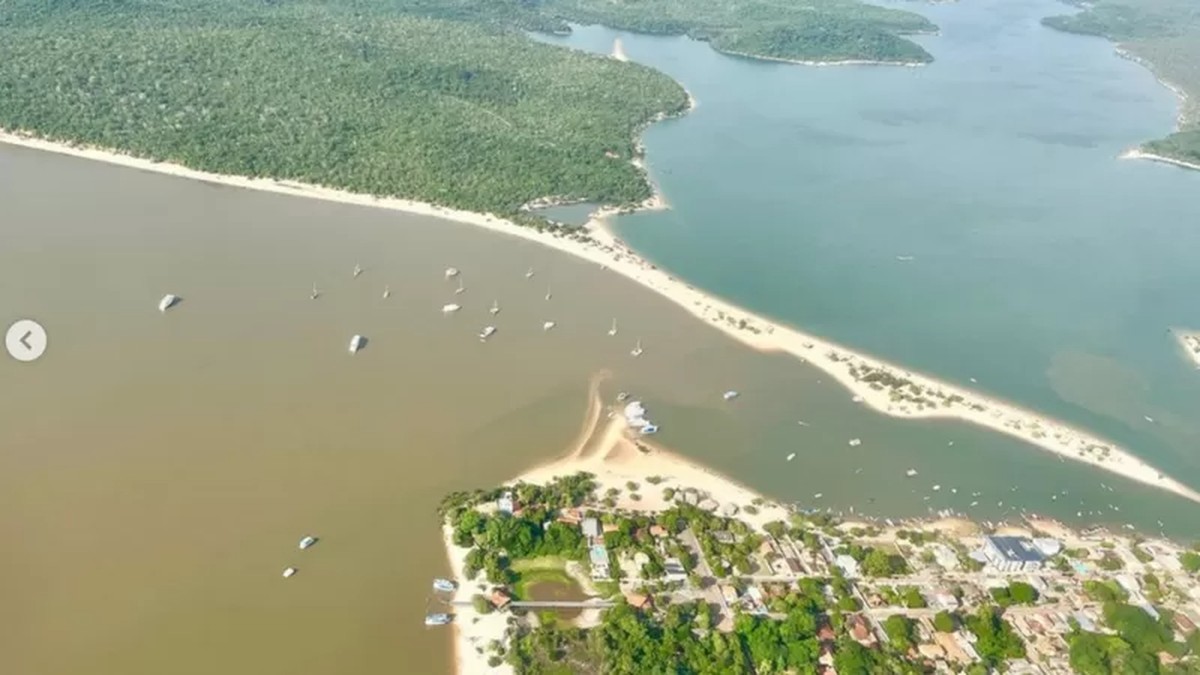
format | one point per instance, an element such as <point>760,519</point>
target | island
<point>1164,36</point>
<point>623,557</point>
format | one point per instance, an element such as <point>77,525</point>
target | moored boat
<point>486,333</point>
<point>356,343</point>
<point>169,300</point>
<point>444,585</point>
<point>289,572</point>
<point>307,542</point>
<point>439,619</point>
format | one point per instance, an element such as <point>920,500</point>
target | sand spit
<point>885,387</point>
<point>822,64</point>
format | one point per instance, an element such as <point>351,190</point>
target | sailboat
<point>529,273</point>
<point>387,292</point>
<point>460,288</point>
<point>548,295</point>
<point>637,350</point>
<point>613,331</point>
<point>451,272</point>
<point>315,293</point>
<point>357,270</point>
<point>495,307</point>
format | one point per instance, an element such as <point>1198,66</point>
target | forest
<point>1165,36</point>
<point>443,101</point>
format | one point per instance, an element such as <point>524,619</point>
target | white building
<point>1012,554</point>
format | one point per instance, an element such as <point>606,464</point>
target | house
<point>674,569</point>
<point>500,598</point>
<point>506,503</point>
<point>724,537</point>
<point>848,565</point>
<point>658,531</point>
<point>944,599</point>
<point>860,631</point>
<point>639,601</point>
<point>591,528</point>
<point>611,527</point>
<point>598,557</point>
<point>570,516</point>
<point>1012,554</point>
<point>729,594</point>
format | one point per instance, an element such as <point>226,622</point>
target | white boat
<point>637,349</point>
<point>621,396</point>
<point>307,542</point>
<point>548,325</point>
<point>451,272</point>
<point>613,331</point>
<point>357,270</point>
<point>818,495</point>
<point>444,585</point>
<point>486,333</point>
<point>1148,419</point>
<point>650,429</point>
<point>855,442</point>
<point>729,395</point>
<point>450,308</point>
<point>548,294</point>
<point>495,307</point>
<point>461,288</point>
<point>791,457</point>
<point>289,572</point>
<point>169,300</point>
<point>529,273</point>
<point>356,343</point>
<point>857,399</point>
<point>387,292</point>
<point>437,619</point>
<point>315,293</point>
<point>910,473</point>
<point>905,258</point>
<point>937,487</point>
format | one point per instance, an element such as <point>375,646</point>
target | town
<point>810,593</point>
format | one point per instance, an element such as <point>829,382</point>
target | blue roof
<point>1017,549</point>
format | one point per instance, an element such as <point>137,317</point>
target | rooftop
<point>1017,549</point>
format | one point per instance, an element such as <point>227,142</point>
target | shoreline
<point>885,387</point>
<point>1138,153</point>
<point>822,64</point>
<point>1189,341</point>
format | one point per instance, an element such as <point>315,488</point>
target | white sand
<point>618,50</point>
<point>1190,341</point>
<point>939,399</point>
<point>821,64</point>
<point>1136,153</point>
<point>471,629</point>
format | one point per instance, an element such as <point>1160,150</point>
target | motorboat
<point>649,429</point>
<point>495,308</point>
<point>613,331</point>
<point>451,272</point>
<point>486,333</point>
<point>791,457</point>
<point>621,396</point>
<point>357,270</point>
<point>169,300</point>
<point>548,325</point>
<point>548,293</point>
<point>461,288</point>
<point>637,349</point>
<point>444,585</point>
<point>356,343</point>
<point>450,308</point>
<point>315,293</point>
<point>307,542</point>
<point>437,619</point>
<point>818,495</point>
<point>937,487</point>
<point>290,572</point>
<point>729,395</point>
<point>855,442</point>
<point>910,473</point>
<point>387,292</point>
<point>529,273</point>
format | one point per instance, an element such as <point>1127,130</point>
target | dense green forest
<point>1163,34</point>
<point>445,101</point>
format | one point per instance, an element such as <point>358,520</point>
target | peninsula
<point>622,557</point>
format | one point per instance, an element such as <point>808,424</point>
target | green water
<point>1044,267</point>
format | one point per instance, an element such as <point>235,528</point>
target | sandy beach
<point>1190,342</point>
<point>1136,153</point>
<point>885,387</point>
<point>821,64</point>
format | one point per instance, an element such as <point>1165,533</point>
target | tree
<point>878,563</point>
<point>1190,561</point>
<point>899,631</point>
<point>995,640</point>
<point>944,622</point>
<point>913,598</point>
<point>1022,593</point>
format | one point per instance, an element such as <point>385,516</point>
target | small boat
<point>486,333</point>
<point>461,288</point>
<point>855,442</point>
<point>910,473</point>
<point>315,293</point>
<point>818,495</point>
<point>857,399</point>
<point>437,619</point>
<point>169,300</point>
<point>307,542</point>
<point>613,331</point>
<point>495,307</point>
<point>548,325</point>
<point>791,457</point>
<point>451,272</point>
<point>289,572</point>
<point>905,258</point>
<point>548,293</point>
<point>529,273</point>
<point>1148,419</point>
<point>356,343</point>
<point>649,429</point>
<point>622,396</point>
<point>357,270</point>
<point>937,487</point>
<point>448,309</point>
<point>637,349</point>
<point>387,292</point>
<point>729,395</point>
<point>974,380</point>
<point>444,585</point>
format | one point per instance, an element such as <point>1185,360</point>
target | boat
<point>855,442</point>
<point>290,572</point>
<point>937,487</point>
<point>447,309</point>
<point>461,288</point>
<point>548,325</point>
<point>649,429</point>
<point>169,300</point>
<point>548,293</point>
<point>622,396</point>
<point>857,399</point>
<point>818,495</point>
<point>315,293</point>
<point>307,542</point>
<point>356,343</point>
<point>357,270</point>
<point>444,585</point>
<point>495,307</point>
<point>1148,419</point>
<point>387,292</point>
<point>486,333</point>
<point>729,395</point>
<point>791,457</point>
<point>613,331</point>
<point>451,272</point>
<point>905,258</point>
<point>910,473</point>
<point>637,350</point>
<point>437,619</point>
